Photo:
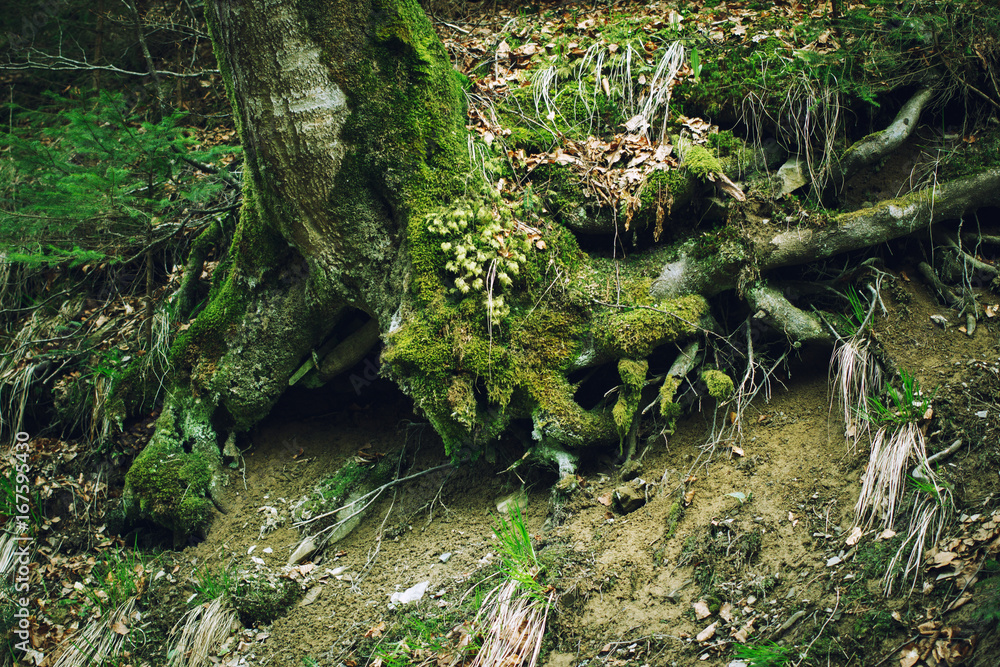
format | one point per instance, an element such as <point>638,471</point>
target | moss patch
<point>670,410</point>
<point>635,333</point>
<point>633,377</point>
<point>169,483</point>
<point>262,596</point>
<point>719,384</point>
<point>700,162</point>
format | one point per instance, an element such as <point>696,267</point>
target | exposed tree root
<point>798,326</point>
<point>887,220</point>
<point>878,145</point>
<point>944,292</point>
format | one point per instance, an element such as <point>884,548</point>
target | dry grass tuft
<point>202,629</point>
<point>856,374</point>
<point>893,448</point>
<point>101,640</point>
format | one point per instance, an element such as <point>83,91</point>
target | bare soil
<point>627,583</point>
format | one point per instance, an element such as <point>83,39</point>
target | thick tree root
<point>186,298</point>
<point>777,311</point>
<point>877,145</point>
<point>944,292</point>
<point>883,222</point>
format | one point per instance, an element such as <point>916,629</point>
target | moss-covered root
<point>685,362</point>
<point>878,145</point>
<point>187,294</point>
<point>798,326</point>
<point>626,411</point>
<point>172,481</point>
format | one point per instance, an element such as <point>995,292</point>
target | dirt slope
<point>762,535</point>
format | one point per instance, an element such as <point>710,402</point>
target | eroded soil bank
<point>751,531</point>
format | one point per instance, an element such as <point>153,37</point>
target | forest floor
<point>740,545</point>
<point>759,551</point>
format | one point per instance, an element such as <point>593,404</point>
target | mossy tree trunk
<point>352,124</point>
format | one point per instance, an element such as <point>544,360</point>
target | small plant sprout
<point>764,655</point>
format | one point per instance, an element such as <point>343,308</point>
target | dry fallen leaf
<point>376,631</point>
<point>944,558</point>
<point>701,610</point>
<point>855,535</point>
<point>928,628</point>
<point>707,633</point>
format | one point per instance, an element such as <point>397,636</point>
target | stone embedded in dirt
<point>304,550</point>
<point>630,497</point>
<point>445,557</point>
<point>411,594</point>
<point>630,471</point>
<point>793,175</point>
<point>311,596</point>
<point>701,610</point>
<point>836,560</point>
<point>519,497</point>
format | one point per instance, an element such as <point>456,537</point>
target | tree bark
<point>352,125</point>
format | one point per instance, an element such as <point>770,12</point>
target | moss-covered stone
<point>332,492</point>
<point>259,597</point>
<point>719,384</point>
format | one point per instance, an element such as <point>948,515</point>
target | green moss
<point>700,162</point>
<point>719,384</point>
<point>670,410</point>
<point>548,337</point>
<point>669,188</point>
<point>635,333</point>
<point>462,400</point>
<point>725,143</point>
<point>633,373</point>
<point>633,377</point>
<point>674,514</point>
<point>561,418</point>
<point>170,483</point>
<point>261,597</point>
<point>331,493</point>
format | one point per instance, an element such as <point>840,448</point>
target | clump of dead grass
<point>517,609</point>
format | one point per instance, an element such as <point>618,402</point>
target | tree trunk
<point>352,124</point>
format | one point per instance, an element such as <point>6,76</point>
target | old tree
<point>371,215</point>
